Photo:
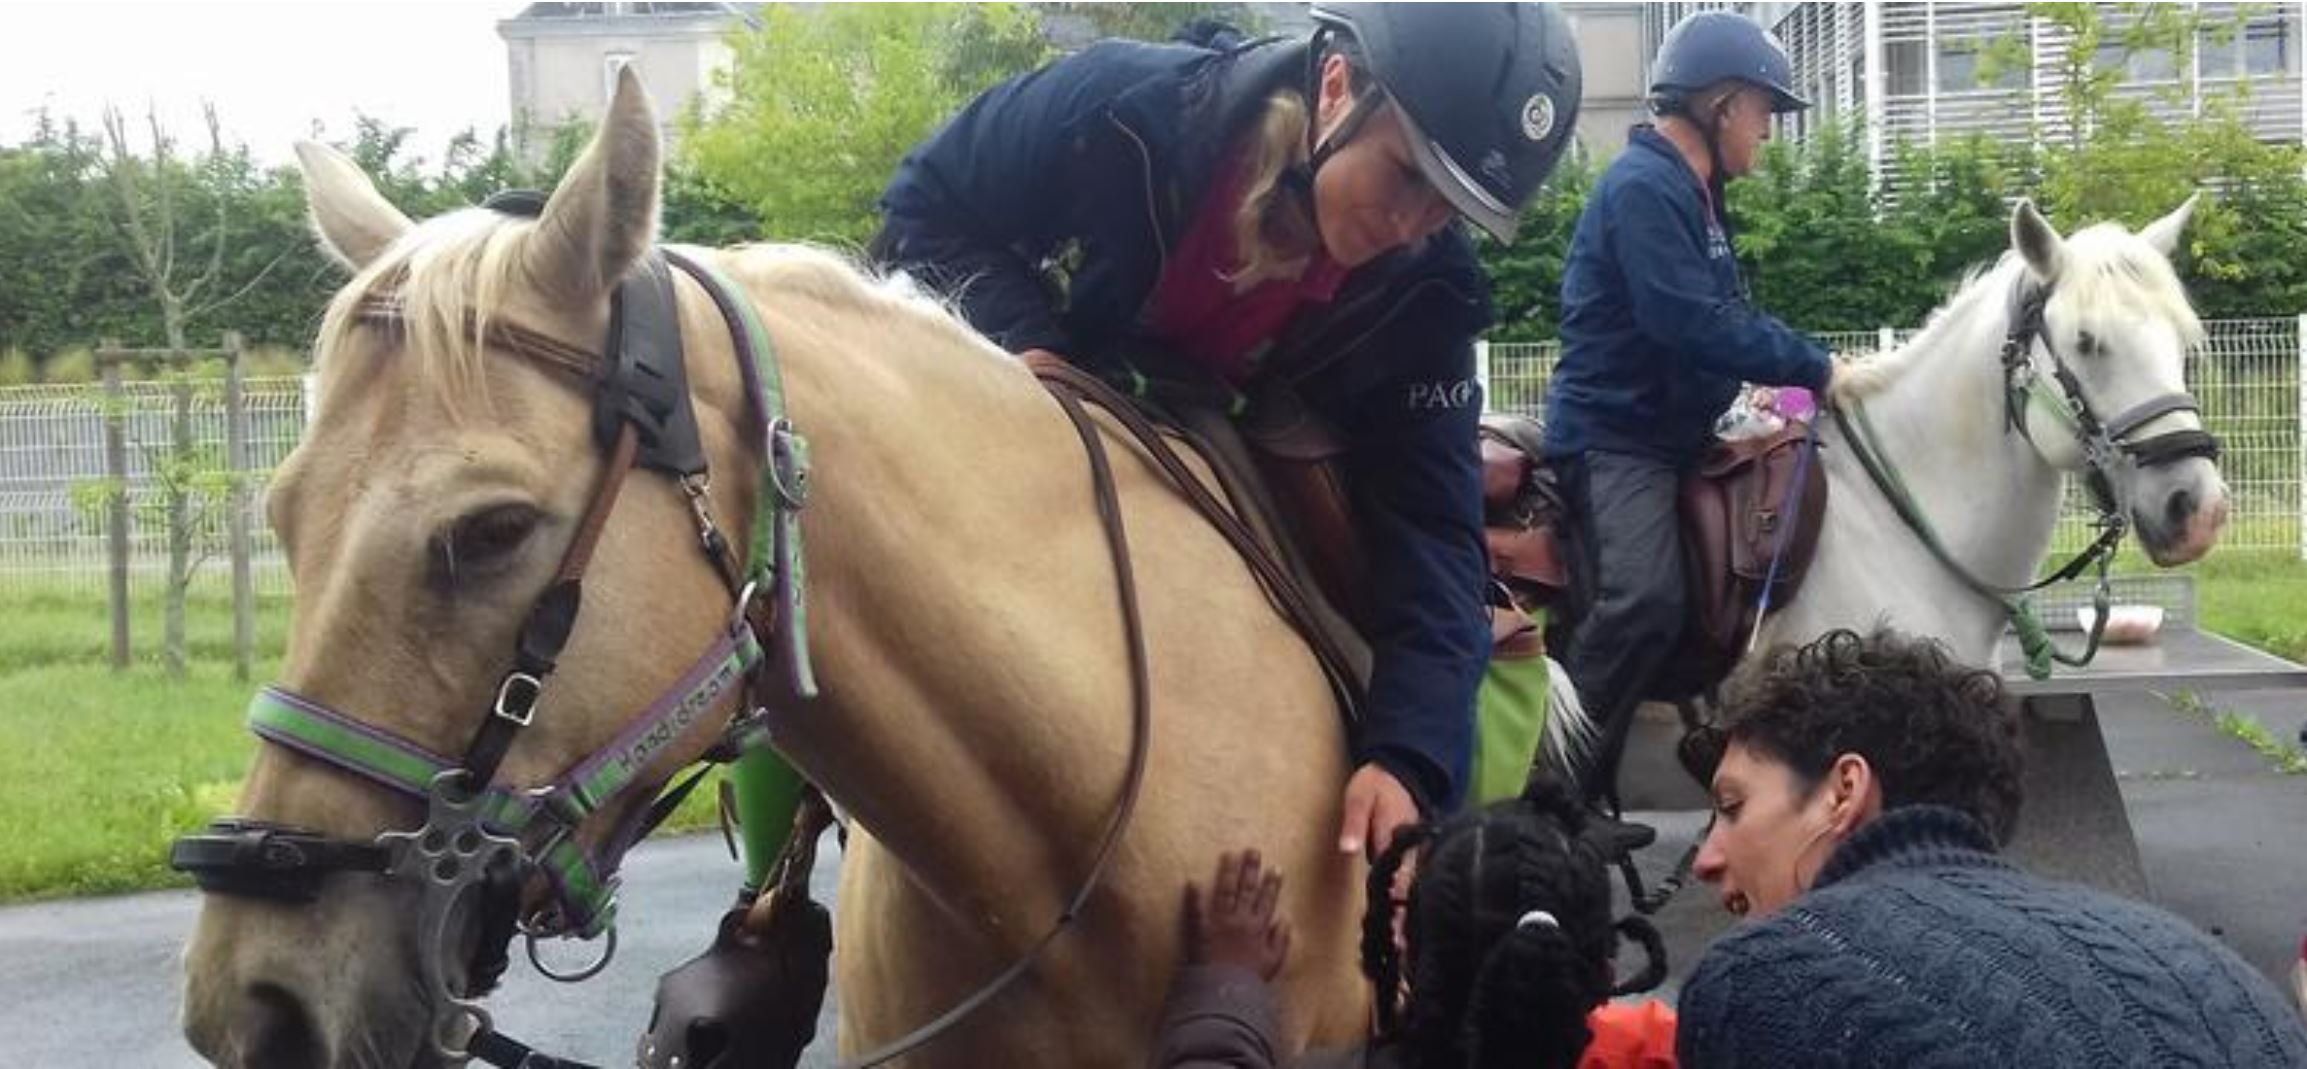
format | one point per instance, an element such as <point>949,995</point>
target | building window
<point>2267,50</point>
<point>1904,68</point>
<point>613,64</point>
<point>2259,50</point>
<point>2138,64</point>
<point>1963,65</point>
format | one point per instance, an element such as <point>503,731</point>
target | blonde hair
<point>1274,227</point>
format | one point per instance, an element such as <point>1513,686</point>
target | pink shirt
<point>1195,307</point>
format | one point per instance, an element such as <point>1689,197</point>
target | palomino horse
<point>2093,330</point>
<point>975,700</point>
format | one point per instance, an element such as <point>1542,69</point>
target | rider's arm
<point>973,209</point>
<point>1416,479</point>
<point>1680,302</point>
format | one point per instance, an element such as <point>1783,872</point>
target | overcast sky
<point>273,69</point>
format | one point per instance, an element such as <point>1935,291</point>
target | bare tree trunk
<point>178,490</point>
<point>236,506</point>
<point>116,508</point>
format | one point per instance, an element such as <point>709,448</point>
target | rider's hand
<point>1235,922</point>
<point>1377,806</point>
<point>1029,354</point>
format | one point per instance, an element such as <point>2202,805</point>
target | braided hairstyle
<point>1484,988</point>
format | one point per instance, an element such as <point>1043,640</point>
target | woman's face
<point>1370,198</point>
<point>1770,835</point>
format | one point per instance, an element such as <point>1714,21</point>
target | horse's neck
<point>1989,498</point>
<point>949,544</point>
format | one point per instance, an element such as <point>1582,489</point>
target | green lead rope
<point>2035,643</point>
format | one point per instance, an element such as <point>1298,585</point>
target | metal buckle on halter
<point>788,463</point>
<point>739,618</point>
<point>517,698</point>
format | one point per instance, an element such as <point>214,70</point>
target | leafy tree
<point>1812,248</point>
<point>1951,202</point>
<point>1160,22</point>
<point>822,103</point>
<point>1527,275</point>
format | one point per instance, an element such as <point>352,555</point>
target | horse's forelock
<point>2109,272</point>
<point>450,277</point>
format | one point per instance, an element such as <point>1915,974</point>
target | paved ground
<point>94,983</point>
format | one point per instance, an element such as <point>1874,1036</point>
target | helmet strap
<point>1300,177</point>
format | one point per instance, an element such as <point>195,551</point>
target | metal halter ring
<point>738,621</point>
<point>608,951</point>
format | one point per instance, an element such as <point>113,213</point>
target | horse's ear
<point>604,214</point>
<point>355,223</point>
<point>2164,233</point>
<point>2036,242</point>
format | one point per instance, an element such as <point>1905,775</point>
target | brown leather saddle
<point>1740,506</point>
<point>1750,521</point>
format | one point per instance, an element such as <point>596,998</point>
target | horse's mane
<point>453,274</point>
<point>2107,270</point>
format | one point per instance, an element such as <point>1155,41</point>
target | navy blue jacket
<point>1092,168</point>
<point>1657,331</point>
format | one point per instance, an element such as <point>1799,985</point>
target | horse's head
<point>2105,385</point>
<point>449,468</point>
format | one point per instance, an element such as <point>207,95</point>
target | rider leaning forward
<point>1279,214</point>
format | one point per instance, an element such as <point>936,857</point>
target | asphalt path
<point>95,982</point>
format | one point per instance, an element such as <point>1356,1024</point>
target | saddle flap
<point>1752,503</point>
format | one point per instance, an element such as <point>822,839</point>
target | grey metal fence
<point>53,480</point>
<point>2246,374</point>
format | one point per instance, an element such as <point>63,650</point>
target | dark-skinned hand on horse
<point>1234,922</point>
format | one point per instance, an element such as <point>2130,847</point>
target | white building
<point>562,60</point>
<point>1922,72</point>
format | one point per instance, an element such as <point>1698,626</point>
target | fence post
<point>108,357</point>
<point>236,508</point>
<point>1482,371</point>
<point>1885,339</point>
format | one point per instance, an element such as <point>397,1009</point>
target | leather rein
<point>2104,443</point>
<point>481,842</point>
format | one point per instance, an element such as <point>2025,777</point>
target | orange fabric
<point>1630,1035</point>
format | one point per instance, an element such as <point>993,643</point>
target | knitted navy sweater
<point>1919,947</point>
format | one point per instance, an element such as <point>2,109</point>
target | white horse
<point>2118,319</point>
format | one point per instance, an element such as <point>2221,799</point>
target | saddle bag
<point>1738,510</point>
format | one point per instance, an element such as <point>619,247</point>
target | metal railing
<point>54,484</point>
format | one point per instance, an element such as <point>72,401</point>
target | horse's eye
<point>2087,343</point>
<point>479,540</point>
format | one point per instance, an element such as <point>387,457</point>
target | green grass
<point>53,624</point>
<point>2282,756</point>
<point>2259,599</point>
<point>100,770</point>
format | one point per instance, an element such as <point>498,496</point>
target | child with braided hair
<point>1500,956</point>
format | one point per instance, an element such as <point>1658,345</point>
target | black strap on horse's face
<point>646,382</point>
<point>2100,440</point>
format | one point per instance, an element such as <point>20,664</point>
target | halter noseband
<point>2100,440</point>
<point>2102,443</point>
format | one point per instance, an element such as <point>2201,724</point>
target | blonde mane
<point>454,275</point>
<point>2105,270</point>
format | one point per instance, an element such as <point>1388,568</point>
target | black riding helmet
<point>1488,95</point>
<point>1712,47</point>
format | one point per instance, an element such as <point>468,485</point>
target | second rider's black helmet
<point>1711,47</point>
<point>1488,94</point>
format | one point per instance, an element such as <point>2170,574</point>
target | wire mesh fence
<point>53,480</point>
<point>2246,376</point>
<point>55,488</point>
